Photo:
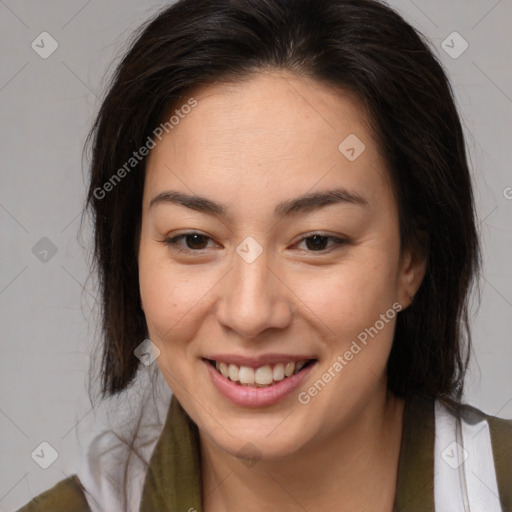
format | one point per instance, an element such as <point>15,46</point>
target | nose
<point>254,297</point>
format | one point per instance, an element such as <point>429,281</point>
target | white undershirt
<point>464,473</point>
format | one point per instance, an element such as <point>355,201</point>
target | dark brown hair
<point>361,46</point>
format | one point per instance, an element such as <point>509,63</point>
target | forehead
<point>270,134</point>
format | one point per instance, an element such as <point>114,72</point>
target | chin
<point>256,445</point>
<point>256,434</point>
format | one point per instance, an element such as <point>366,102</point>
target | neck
<point>355,469</point>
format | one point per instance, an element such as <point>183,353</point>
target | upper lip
<point>256,362</point>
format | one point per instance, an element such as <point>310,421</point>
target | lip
<point>257,397</point>
<point>256,362</point>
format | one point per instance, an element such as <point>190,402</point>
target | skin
<point>250,146</point>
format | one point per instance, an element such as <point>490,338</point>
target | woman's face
<point>249,170</point>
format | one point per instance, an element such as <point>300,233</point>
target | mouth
<point>263,376</point>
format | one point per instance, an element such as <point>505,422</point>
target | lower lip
<point>256,397</point>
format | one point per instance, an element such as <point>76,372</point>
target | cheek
<point>354,294</point>
<point>172,295</point>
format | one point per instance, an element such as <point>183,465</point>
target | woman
<point>283,206</point>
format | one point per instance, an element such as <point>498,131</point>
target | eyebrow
<point>302,204</point>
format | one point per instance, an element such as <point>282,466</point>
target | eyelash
<point>173,242</point>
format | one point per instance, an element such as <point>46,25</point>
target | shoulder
<point>500,429</point>
<point>502,425</point>
<point>66,495</point>
<point>474,449</point>
<point>500,435</point>
<point>115,461</point>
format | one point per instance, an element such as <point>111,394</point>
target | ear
<point>413,265</point>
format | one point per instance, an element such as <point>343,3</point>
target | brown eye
<point>319,242</point>
<point>316,242</point>
<point>193,242</point>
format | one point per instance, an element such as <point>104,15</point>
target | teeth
<point>223,367</point>
<point>233,372</point>
<point>289,369</point>
<point>263,375</point>
<point>299,365</point>
<point>246,375</point>
<point>259,377</point>
<point>278,373</point>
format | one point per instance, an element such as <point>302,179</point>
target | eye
<point>317,242</point>
<point>194,242</point>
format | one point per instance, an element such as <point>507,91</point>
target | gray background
<point>46,109</point>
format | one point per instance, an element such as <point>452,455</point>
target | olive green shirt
<point>173,480</point>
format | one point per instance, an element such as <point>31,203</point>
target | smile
<point>263,376</point>
<point>257,384</point>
